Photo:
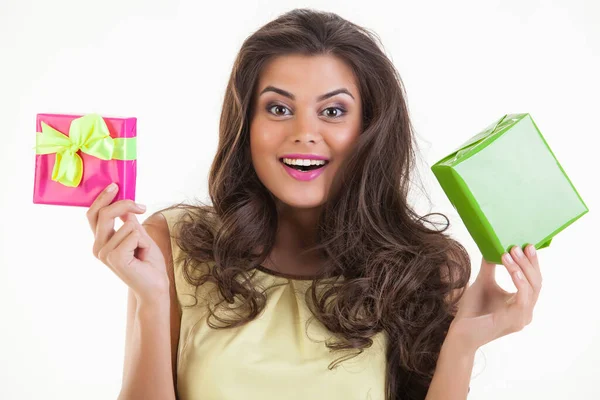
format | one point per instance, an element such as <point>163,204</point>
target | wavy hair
<point>399,275</point>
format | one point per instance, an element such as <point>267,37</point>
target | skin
<point>281,125</point>
<point>117,249</point>
<point>487,311</point>
<point>140,255</point>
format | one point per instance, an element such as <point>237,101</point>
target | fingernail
<point>508,258</point>
<point>140,206</point>
<point>532,250</point>
<point>111,188</point>
<point>518,251</point>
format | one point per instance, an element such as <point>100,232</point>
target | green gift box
<point>508,187</point>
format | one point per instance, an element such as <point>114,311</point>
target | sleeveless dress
<point>275,356</point>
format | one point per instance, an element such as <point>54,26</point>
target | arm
<point>152,333</point>
<point>455,361</point>
<point>486,312</point>
<point>453,370</point>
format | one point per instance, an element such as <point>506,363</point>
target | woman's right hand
<point>129,252</point>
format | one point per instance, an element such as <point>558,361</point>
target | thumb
<point>143,248</point>
<point>487,271</point>
<point>144,242</point>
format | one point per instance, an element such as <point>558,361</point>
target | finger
<point>123,255</point>
<point>112,244</point>
<point>145,241</point>
<point>520,309</point>
<point>513,269</point>
<point>102,200</point>
<point>531,253</point>
<point>533,275</point>
<point>130,217</point>
<point>140,226</point>
<point>127,217</point>
<point>126,250</point>
<point>106,220</point>
<point>116,239</point>
<point>511,264</point>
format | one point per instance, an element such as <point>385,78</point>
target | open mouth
<point>304,168</point>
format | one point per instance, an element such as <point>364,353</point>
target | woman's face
<point>297,117</point>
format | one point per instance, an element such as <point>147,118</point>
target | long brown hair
<point>398,274</point>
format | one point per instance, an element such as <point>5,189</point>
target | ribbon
<point>89,134</point>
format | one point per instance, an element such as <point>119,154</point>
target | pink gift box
<point>97,173</point>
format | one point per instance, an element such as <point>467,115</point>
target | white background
<point>464,64</point>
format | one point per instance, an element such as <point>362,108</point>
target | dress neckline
<point>285,274</point>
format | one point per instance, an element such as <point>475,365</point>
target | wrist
<point>458,343</point>
<point>157,304</point>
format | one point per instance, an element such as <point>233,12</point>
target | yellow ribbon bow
<point>88,134</point>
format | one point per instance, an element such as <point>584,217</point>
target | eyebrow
<point>291,96</point>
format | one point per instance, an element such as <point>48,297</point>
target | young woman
<point>309,276</point>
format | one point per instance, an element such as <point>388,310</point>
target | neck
<point>296,232</point>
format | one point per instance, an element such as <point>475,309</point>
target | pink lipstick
<point>304,176</point>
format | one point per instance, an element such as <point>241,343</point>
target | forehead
<point>306,74</point>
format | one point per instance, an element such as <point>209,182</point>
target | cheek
<point>341,143</point>
<point>265,142</point>
<point>262,139</point>
<point>262,150</point>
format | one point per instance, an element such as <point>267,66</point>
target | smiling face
<point>304,106</point>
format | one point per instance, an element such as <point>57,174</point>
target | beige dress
<point>273,357</point>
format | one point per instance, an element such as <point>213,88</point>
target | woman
<point>309,245</point>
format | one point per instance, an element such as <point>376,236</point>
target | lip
<point>305,156</point>
<point>303,176</point>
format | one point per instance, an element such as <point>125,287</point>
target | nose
<point>306,128</point>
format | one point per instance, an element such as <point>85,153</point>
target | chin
<point>301,202</point>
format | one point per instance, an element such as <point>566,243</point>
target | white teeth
<point>304,162</point>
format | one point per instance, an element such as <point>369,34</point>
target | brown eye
<point>276,106</point>
<point>337,114</point>
<point>331,112</point>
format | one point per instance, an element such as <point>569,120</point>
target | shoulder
<point>184,213</point>
<point>163,223</point>
<point>183,232</point>
<point>166,218</point>
<point>167,226</point>
<point>161,228</point>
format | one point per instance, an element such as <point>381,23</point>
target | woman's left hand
<point>487,312</point>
